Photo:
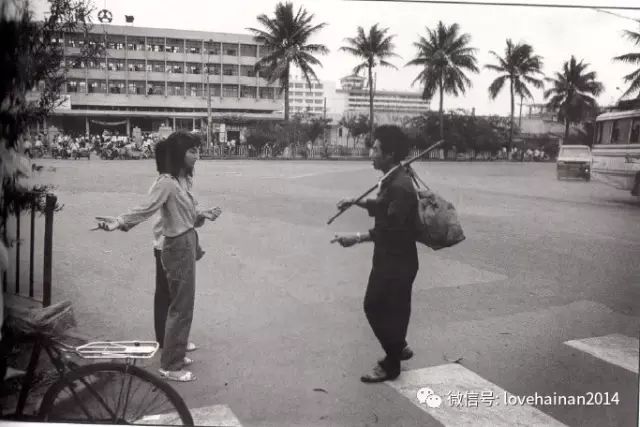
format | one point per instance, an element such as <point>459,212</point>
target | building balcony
<point>136,54</point>
<point>117,75</point>
<point>116,54</point>
<point>154,76</point>
<point>155,56</point>
<point>137,75</point>
<point>124,101</point>
<point>196,57</point>
<point>175,77</point>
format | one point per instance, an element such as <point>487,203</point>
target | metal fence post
<point>48,248</point>
<point>32,245</point>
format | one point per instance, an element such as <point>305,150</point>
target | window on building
<point>155,88</point>
<point>214,69</point>
<point>212,48</point>
<point>635,132</point>
<point>615,132</point>
<point>248,91</point>
<point>264,51</point>
<point>230,49</point>
<point>215,90</point>
<point>136,88</point>
<point>155,66</point>
<point>319,101</point>
<point>72,86</point>
<point>230,70</point>
<point>175,67</point>
<point>250,50</point>
<point>266,92</point>
<point>194,46</point>
<point>193,68</point>
<point>135,65</point>
<point>247,71</point>
<point>155,44</point>
<point>299,85</point>
<point>116,64</point>
<point>82,86</point>
<point>174,46</point>
<point>73,40</point>
<point>115,42</point>
<point>97,86</point>
<point>230,91</point>
<point>308,101</point>
<point>135,43</point>
<point>116,86</point>
<point>194,89</point>
<point>75,62</point>
<point>318,86</point>
<point>175,89</point>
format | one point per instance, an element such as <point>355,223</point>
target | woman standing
<point>171,195</point>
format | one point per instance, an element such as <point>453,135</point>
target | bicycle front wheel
<point>113,393</point>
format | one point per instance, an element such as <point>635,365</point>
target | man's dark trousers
<point>387,305</point>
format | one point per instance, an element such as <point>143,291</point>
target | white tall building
<point>308,99</point>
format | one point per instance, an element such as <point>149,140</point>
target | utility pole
<point>324,123</point>
<point>210,42</point>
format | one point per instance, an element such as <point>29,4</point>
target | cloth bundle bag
<point>437,224</point>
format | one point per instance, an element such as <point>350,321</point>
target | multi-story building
<point>308,99</point>
<point>151,77</point>
<point>387,105</point>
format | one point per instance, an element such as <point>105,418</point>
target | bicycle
<point>106,392</point>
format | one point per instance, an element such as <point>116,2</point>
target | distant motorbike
<point>82,152</point>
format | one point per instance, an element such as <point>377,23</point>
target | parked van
<point>574,161</point>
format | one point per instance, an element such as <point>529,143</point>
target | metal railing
<point>13,279</point>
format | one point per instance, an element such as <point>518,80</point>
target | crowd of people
<point>106,145</point>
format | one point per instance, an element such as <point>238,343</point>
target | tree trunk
<point>286,95</point>
<point>512,115</point>
<point>370,106</point>
<point>441,109</point>
<point>566,130</point>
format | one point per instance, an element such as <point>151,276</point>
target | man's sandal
<point>191,347</point>
<point>187,361</point>
<point>179,376</point>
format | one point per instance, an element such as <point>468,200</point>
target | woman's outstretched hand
<point>107,223</point>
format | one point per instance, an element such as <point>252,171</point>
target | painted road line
<point>617,349</point>
<point>456,396</point>
<point>216,415</point>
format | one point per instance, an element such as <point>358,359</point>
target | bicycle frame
<point>56,351</point>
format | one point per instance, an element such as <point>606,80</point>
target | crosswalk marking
<point>617,349</point>
<point>216,415</point>
<point>453,381</point>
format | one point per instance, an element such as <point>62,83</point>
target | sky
<point>554,33</point>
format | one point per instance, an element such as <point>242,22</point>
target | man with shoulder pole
<point>387,301</point>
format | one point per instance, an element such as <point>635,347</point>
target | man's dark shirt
<point>394,210</point>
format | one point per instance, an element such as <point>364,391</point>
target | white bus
<point>616,150</point>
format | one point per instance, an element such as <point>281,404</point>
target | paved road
<point>543,296</point>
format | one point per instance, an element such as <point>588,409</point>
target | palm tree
<point>518,66</point>
<point>373,48</point>
<point>572,92</point>
<point>444,55</point>
<point>633,58</point>
<point>285,39</point>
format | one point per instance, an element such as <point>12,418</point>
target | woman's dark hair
<point>392,141</point>
<point>160,154</point>
<point>176,147</point>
